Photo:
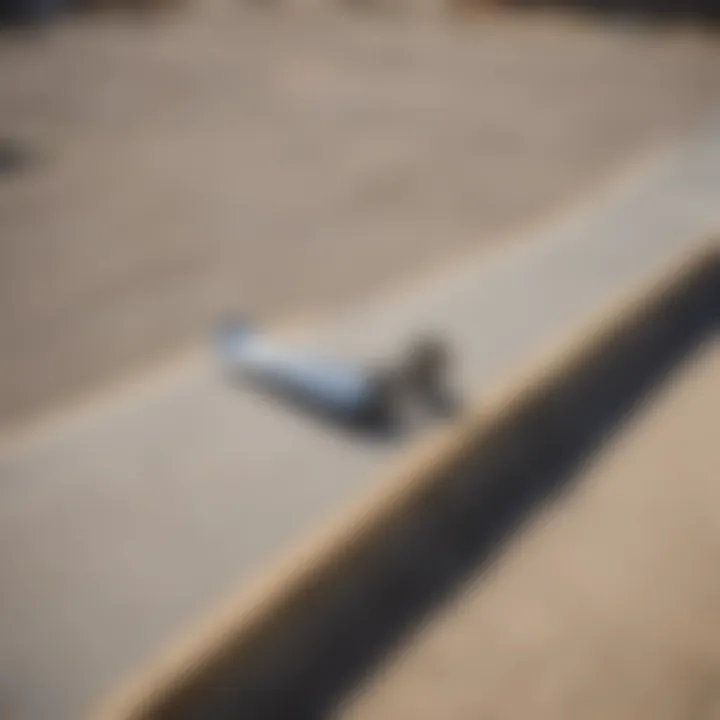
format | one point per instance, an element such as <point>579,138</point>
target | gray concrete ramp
<point>122,522</point>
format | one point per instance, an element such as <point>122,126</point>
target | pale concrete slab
<point>121,523</point>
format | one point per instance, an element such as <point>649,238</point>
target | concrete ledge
<point>299,640</point>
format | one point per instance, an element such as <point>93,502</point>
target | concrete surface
<point>606,606</point>
<point>122,522</point>
<point>277,162</point>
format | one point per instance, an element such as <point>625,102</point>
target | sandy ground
<point>606,606</point>
<point>227,160</point>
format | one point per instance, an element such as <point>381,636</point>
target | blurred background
<point>163,161</point>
